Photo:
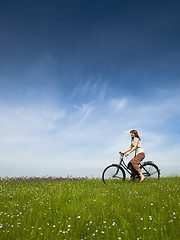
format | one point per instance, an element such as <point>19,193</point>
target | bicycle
<point>117,171</point>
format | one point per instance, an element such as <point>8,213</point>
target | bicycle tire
<point>150,170</point>
<point>113,172</point>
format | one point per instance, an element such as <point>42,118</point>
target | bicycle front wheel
<point>150,170</point>
<point>113,173</point>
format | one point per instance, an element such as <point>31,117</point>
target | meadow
<point>82,208</point>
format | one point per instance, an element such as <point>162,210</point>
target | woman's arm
<point>127,150</point>
<point>132,148</point>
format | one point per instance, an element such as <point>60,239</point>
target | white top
<point>139,148</point>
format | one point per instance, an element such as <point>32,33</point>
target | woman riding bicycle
<point>139,154</point>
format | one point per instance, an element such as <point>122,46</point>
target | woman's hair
<point>135,133</point>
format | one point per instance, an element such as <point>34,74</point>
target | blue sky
<point>77,76</point>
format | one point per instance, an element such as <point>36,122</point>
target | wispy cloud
<point>43,117</point>
<point>118,104</point>
<point>92,90</point>
<point>82,113</point>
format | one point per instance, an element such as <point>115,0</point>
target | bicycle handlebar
<point>122,154</point>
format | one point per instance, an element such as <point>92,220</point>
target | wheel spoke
<point>154,173</point>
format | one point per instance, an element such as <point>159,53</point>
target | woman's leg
<point>133,172</point>
<point>135,164</point>
<point>142,176</point>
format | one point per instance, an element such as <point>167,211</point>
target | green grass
<point>39,208</point>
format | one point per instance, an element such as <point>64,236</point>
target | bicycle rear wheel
<point>113,173</point>
<point>150,170</point>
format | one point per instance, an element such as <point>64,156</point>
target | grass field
<point>58,208</point>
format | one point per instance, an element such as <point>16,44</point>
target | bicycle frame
<point>125,167</point>
<point>123,164</point>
